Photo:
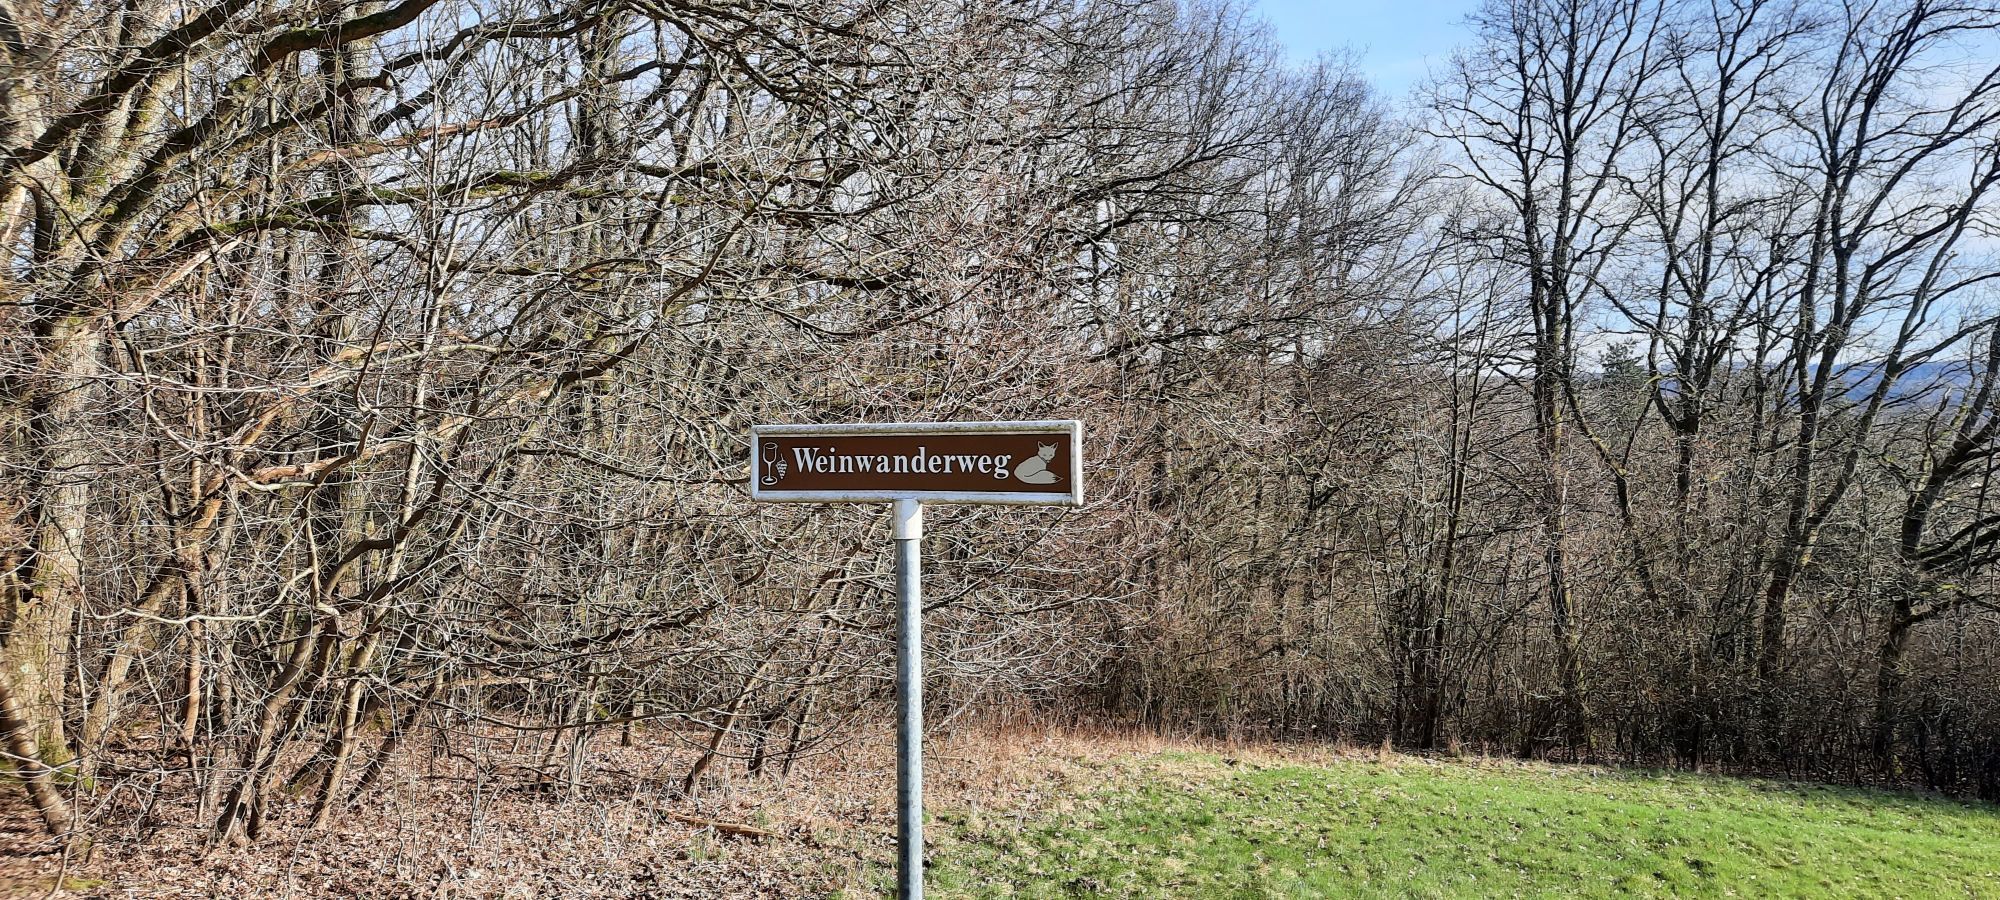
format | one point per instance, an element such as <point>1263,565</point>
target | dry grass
<point>442,829</point>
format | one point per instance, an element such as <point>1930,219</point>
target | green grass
<point>1189,826</point>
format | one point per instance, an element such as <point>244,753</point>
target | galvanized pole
<point>909,701</point>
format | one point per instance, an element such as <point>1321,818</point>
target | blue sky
<point>1396,39</point>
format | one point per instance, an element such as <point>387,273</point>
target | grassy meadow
<point>1203,825</point>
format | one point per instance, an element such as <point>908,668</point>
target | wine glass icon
<point>773,463</point>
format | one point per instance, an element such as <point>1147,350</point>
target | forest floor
<point>1049,814</point>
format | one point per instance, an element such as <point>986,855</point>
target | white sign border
<point>1071,428</point>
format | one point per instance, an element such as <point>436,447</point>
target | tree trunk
<point>34,651</point>
<point>1889,677</point>
<point>37,777</point>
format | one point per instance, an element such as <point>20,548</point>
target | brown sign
<point>970,462</point>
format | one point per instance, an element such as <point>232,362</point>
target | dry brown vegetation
<point>450,826</point>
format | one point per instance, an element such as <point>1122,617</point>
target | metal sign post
<point>909,700</point>
<point>1017,463</point>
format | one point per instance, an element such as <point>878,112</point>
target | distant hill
<point>1930,379</point>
